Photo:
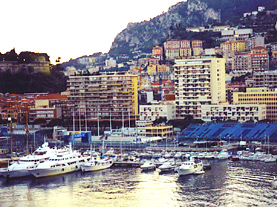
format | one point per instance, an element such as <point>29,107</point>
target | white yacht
<point>191,167</point>
<point>96,164</point>
<point>65,161</point>
<point>223,154</point>
<point>20,168</point>
<point>148,165</point>
<point>167,166</point>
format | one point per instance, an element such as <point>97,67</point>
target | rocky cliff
<point>144,35</point>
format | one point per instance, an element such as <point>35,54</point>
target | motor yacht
<point>167,166</point>
<point>191,167</point>
<point>20,168</point>
<point>223,154</point>
<point>148,165</point>
<point>96,164</point>
<point>65,161</point>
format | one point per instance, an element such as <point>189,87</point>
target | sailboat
<point>269,157</point>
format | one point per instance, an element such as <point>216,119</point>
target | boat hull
<point>92,167</point>
<point>54,171</point>
<point>15,173</point>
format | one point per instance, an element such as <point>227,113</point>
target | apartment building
<point>103,97</point>
<point>155,110</point>
<point>185,49</point>
<point>259,96</point>
<point>229,48</point>
<point>197,47</point>
<point>252,42</point>
<point>45,113</point>
<point>241,64</point>
<point>231,112</point>
<point>259,59</point>
<point>265,79</point>
<point>153,61</point>
<point>172,49</point>
<point>198,82</point>
<point>157,52</point>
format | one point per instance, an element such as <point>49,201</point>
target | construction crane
<point>140,77</point>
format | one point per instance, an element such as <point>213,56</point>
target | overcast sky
<point>70,29</point>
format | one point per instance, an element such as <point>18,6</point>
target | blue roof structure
<point>231,131</point>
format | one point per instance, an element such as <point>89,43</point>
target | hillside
<point>144,35</point>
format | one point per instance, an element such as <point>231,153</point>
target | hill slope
<point>144,35</point>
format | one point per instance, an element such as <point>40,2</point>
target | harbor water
<point>241,183</point>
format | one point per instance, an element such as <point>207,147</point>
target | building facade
<point>259,96</point>
<point>231,112</point>
<point>103,97</point>
<point>265,79</point>
<point>198,82</point>
<point>156,110</point>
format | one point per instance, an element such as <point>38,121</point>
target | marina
<point>227,183</point>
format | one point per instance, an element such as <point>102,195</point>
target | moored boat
<point>167,166</point>
<point>96,164</point>
<point>21,167</point>
<point>191,167</point>
<point>65,161</point>
<point>148,165</point>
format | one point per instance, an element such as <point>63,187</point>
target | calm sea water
<point>228,183</point>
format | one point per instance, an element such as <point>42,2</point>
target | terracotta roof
<point>51,96</point>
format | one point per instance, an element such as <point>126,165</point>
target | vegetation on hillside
<point>23,82</point>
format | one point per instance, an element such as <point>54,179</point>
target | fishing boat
<point>191,167</point>
<point>21,167</point>
<point>65,161</point>
<point>96,164</point>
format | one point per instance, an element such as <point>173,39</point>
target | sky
<point>70,29</point>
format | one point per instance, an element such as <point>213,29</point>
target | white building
<point>110,63</point>
<point>157,110</point>
<point>230,112</point>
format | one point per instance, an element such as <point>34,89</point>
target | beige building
<point>172,49</point>
<point>265,79</point>
<point>157,52</point>
<point>241,64</point>
<point>103,97</point>
<point>155,110</point>
<point>198,82</point>
<point>259,96</point>
<point>231,112</point>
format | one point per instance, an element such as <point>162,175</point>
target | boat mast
<point>27,131</point>
<point>11,126</point>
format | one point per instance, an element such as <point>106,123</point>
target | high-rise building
<point>103,97</point>
<point>198,82</point>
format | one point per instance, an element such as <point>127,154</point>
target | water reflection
<point>226,184</point>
